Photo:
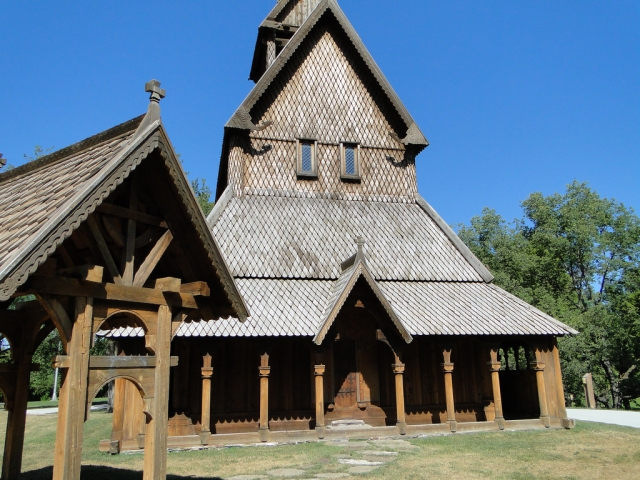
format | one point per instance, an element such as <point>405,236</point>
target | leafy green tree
<point>202,191</point>
<point>41,383</point>
<point>203,194</point>
<point>576,257</point>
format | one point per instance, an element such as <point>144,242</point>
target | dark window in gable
<point>350,161</point>
<point>306,158</point>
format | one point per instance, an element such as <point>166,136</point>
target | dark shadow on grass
<point>95,472</point>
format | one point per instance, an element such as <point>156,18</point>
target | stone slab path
<point>613,417</point>
<point>359,458</point>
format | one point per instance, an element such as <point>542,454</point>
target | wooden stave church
<point>366,308</point>
<point>303,289</point>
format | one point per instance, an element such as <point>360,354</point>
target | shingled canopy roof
<point>45,201</point>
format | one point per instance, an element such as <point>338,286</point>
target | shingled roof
<point>289,237</point>
<point>45,201</point>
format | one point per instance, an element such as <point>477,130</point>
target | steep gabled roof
<point>353,269</point>
<point>241,119</point>
<point>44,202</point>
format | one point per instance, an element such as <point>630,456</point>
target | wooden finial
<point>360,243</point>
<point>157,93</point>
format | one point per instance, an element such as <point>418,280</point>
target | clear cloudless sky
<point>514,96</point>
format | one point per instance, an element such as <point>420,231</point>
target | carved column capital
<point>447,367</point>
<point>319,370</point>
<point>494,366</point>
<point>537,366</point>
<point>206,372</point>
<point>398,368</point>
<point>264,371</point>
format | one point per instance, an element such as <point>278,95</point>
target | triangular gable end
<point>89,197</point>
<point>354,268</point>
<point>241,119</point>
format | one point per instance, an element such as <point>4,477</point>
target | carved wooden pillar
<point>72,406</point>
<point>401,422</point>
<point>319,376</point>
<point>17,408</point>
<point>447,368</point>
<point>538,366</point>
<point>264,370</point>
<point>207,371</point>
<point>494,366</point>
<point>155,445</point>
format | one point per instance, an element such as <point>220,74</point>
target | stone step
<point>347,424</point>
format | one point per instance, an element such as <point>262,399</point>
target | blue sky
<point>515,97</point>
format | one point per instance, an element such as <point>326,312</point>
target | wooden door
<point>345,371</point>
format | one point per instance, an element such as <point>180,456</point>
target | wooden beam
<point>145,270</point>
<point>113,231</point>
<point>129,254</point>
<point>117,211</point>
<point>111,362</point>
<point>13,368</point>
<point>73,396</point>
<point>155,448</point>
<point>57,313</point>
<point>196,289</point>
<point>93,273</point>
<point>107,291</point>
<point>104,249</point>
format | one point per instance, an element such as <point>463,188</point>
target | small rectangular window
<point>350,153</point>
<point>307,164</point>
<point>349,160</point>
<point>306,161</point>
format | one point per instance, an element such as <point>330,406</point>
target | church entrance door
<point>346,381</point>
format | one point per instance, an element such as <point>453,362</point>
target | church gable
<point>325,92</point>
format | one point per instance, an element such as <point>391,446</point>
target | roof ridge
<point>74,149</point>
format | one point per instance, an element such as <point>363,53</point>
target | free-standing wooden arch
<point>122,231</point>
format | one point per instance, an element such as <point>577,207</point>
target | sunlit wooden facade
<point>365,306</point>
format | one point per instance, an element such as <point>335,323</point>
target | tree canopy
<point>575,256</point>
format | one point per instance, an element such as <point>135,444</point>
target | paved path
<point>49,411</point>
<point>614,417</point>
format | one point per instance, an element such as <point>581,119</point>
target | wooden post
<point>117,429</point>
<point>14,438</point>
<point>264,370</point>
<point>72,406</point>
<point>207,371</point>
<point>447,368</point>
<point>494,366</point>
<point>589,396</point>
<point>155,448</point>
<point>538,366</point>
<point>562,407</point>
<point>319,376</point>
<point>401,422</point>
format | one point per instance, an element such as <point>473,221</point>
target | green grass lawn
<point>588,451</point>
